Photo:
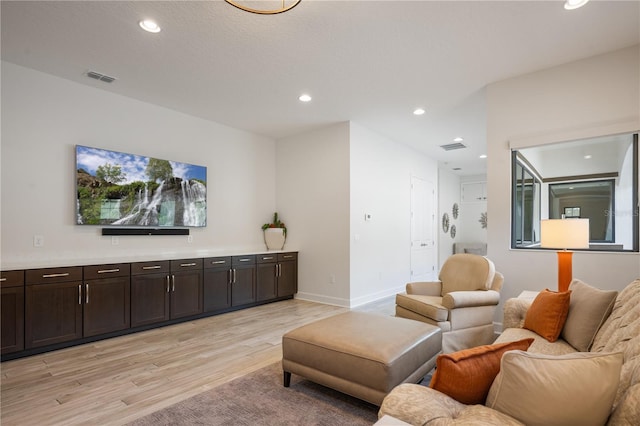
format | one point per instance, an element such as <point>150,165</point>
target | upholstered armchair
<point>462,303</point>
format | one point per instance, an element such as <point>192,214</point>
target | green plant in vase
<point>275,233</point>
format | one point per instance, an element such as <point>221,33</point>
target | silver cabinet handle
<point>86,293</point>
<point>235,276</point>
<point>79,294</point>
<point>168,283</point>
<point>279,269</point>
<point>287,256</point>
<point>146,268</point>
<point>267,258</point>
<point>218,262</point>
<point>244,260</point>
<point>173,283</point>
<point>109,271</point>
<point>66,274</point>
<point>3,279</point>
<point>184,265</point>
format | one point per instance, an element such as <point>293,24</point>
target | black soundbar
<point>145,231</point>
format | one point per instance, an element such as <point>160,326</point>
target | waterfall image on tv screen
<point>115,188</point>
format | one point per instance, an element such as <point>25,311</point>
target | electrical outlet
<point>190,239</point>
<point>332,279</point>
<point>115,240</point>
<point>38,241</point>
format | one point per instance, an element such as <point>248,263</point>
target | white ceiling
<point>372,62</point>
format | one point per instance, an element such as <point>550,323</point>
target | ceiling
<point>371,62</point>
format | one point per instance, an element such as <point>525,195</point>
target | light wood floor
<point>118,380</point>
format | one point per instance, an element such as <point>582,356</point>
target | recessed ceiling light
<point>587,157</point>
<point>149,25</point>
<point>418,111</point>
<point>458,139</point>
<point>304,98</point>
<point>574,4</point>
<point>483,156</point>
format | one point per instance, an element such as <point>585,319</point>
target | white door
<point>423,215</point>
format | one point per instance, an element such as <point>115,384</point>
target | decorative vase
<point>274,238</point>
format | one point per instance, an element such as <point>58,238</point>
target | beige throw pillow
<point>560,390</point>
<point>588,310</point>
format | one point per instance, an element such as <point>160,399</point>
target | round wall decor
<point>445,222</point>
<point>455,210</point>
<point>453,231</point>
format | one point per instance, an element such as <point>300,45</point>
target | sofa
<point>617,333</point>
<point>471,248</point>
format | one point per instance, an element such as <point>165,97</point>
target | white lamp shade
<point>564,233</point>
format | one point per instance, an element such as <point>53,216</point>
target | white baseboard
<point>349,303</point>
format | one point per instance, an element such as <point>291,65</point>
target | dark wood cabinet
<point>217,283</point>
<point>53,306</point>
<point>277,275</point>
<point>106,298</point>
<point>12,311</point>
<point>150,286</point>
<point>161,291</point>
<point>287,274</point>
<point>186,288</point>
<point>267,271</point>
<point>243,280</point>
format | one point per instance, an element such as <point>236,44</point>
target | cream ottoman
<point>361,354</point>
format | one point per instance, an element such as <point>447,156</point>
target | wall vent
<point>101,77</point>
<point>452,146</point>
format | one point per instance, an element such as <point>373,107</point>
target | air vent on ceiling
<point>452,146</point>
<point>101,77</point>
<point>457,168</point>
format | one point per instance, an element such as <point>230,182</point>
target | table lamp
<point>564,234</point>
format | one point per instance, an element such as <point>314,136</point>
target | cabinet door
<point>287,278</point>
<point>216,284</point>
<point>186,287</point>
<point>243,281</point>
<point>106,305</point>
<point>266,281</point>
<point>12,311</point>
<point>149,299</point>
<point>12,319</point>
<point>53,313</point>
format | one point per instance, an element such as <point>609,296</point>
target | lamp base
<point>565,270</point>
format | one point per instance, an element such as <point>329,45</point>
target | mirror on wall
<point>593,178</point>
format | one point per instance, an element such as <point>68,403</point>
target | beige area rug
<point>259,398</point>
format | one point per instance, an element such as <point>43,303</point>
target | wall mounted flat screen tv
<point>119,189</point>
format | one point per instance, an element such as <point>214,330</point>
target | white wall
<point>587,98</point>
<point>44,117</point>
<point>312,182</point>
<point>448,194</point>
<point>381,172</point>
<point>327,180</point>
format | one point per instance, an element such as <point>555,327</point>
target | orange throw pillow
<point>548,313</point>
<point>467,375</point>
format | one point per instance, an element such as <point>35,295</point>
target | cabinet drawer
<point>267,258</point>
<point>185,264</point>
<point>217,262</point>
<point>94,272</point>
<point>53,275</point>
<point>243,260</point>
<point>139,268</point>
<point>282,257</point>
<point>11,279</point>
